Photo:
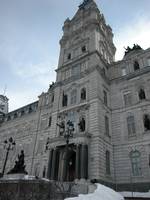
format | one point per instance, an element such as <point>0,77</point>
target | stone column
<point>53,164</point>
<point>77,169</point>
<point>50,164</point>
<point>84,161</point>
<point>64,176</point>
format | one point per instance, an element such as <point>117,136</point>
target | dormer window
<point>83,49</point>
<point>136,66</point>
<point>69,56</point>
<point>142,94</point>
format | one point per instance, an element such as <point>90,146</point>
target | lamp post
<point>8,145</point>
<point>68,133</point>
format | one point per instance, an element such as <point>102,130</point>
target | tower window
<point>136,66</point>
<point>82,125</point>
<point>106,126</point>
<point>73,96</point>
<point>83,49</point>
<point>52,98</point>
<point>131,125</point>
<point>105,97</point>
<point>127,99</point>
<point>49,121</point>
<point>142,94</point>
<point>64,100</point>
<point>69,56</point>
<point>83,94</point>
<point>146,121</point>
<point>136,163</point>
<point>107,162</point>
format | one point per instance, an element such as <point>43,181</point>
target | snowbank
<point>101,193</point>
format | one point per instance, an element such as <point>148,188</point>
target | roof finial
<point>82,5</point>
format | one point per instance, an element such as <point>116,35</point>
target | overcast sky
<point>30,31</point>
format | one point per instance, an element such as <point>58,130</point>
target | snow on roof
<point>101,193</point>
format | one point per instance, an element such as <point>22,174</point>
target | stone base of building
<point>40,189</point>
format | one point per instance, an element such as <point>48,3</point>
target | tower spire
<point>84,3</point>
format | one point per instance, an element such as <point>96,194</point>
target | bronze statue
<point>82,125</point>
<point>19,167</point>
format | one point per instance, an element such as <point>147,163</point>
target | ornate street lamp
<point>68,133</point>
<point>9,146</point>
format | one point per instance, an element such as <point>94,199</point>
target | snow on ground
<point>135,194</point>
<point>101,193</point>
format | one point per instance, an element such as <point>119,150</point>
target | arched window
<point>136,163</point>
<point>131,125</point>
<point>73,96</point>
<point>52,98</point>
<point>142,94</point>
<point>136,65</point>
<point>83,94</point>
<point>146,121</point>
<point>82,124</point>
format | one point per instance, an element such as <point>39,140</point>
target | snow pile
<point>135,194</point>
<point>101,193</point>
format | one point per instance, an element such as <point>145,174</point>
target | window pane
<point>73,96</point>
<point>106,126</point>
<point>127,99</point>
<point>131,125</point>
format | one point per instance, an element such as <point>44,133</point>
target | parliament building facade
<point>106,102</point>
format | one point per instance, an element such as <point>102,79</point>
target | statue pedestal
<point>14,176</point>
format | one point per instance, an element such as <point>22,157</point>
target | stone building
<point>105,103</point>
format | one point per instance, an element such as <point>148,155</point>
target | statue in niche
<point>81,125</point>
<point>141,94</point>
<point>19,167</point>
<point>147,122</point>
<point>64,100</point>
<point>83,94</point>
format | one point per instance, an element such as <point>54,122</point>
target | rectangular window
<point>127,99</point>
<point>73,96</point>
<point>106,126</point>
<point>108,163</point>
<point>75,70</point>
<point>131,125</point>
<point>49,121</point>
<point>105,97</point>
